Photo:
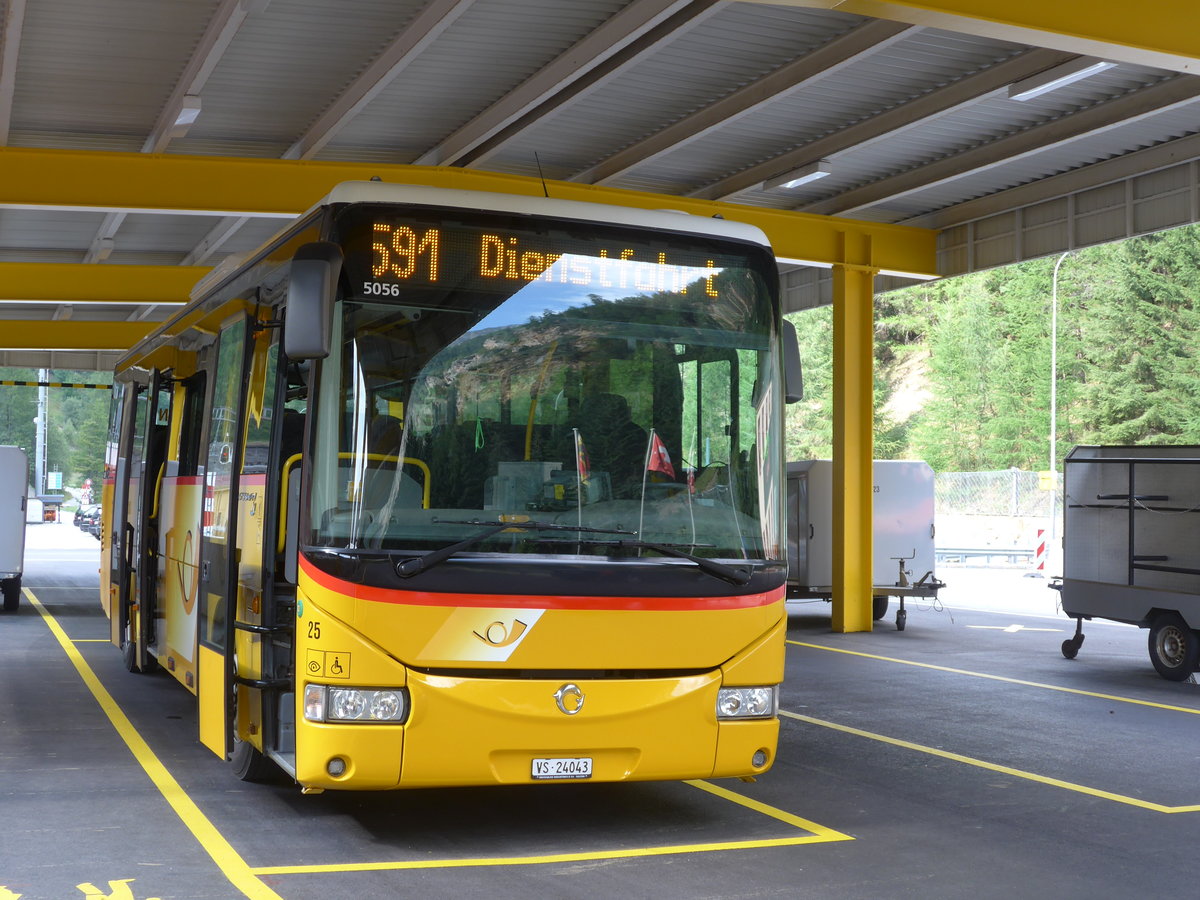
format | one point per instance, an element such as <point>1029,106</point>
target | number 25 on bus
<point>457,488</point>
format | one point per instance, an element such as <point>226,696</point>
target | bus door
<point>144,515</point>
<point>265,608</point>
<point>218,554</point>
<point>134,399</point>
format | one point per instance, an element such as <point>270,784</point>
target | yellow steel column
<point>853,442</point>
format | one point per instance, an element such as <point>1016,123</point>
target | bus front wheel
<point>249,764</point>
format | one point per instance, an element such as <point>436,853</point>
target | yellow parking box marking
<point>818,834</point>
<point>1034,684</point>
<point>206,834</point>
<point>993,767</point>
<point>828,834</point>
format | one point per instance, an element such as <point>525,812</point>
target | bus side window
<point>192,425</point>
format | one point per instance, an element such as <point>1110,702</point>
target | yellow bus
<point>443,487</point>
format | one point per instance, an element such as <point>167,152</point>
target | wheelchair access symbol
<point>328,663</point>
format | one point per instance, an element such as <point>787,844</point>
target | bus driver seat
<point>614,442</point>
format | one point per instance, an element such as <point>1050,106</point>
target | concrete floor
<point>962,757</point>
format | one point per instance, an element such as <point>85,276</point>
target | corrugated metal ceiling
<point>698,98</point>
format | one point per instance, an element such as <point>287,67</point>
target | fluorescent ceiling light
<point>1059,76</point>
<point>915,276</point>
<point>789,261</point>
<point>797,177</point>
<point>189,111</point>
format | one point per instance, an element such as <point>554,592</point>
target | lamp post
<point>1054,388</point>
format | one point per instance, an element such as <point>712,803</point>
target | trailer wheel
<point>879,607</point>
<point>1070,647</point>
<point>901,618</point>
<point>12,593</point>
<point>1174,648</point>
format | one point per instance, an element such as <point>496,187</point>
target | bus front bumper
<point>481,731</point>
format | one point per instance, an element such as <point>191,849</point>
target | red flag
<point>583,465</point>
<point>659,460</point>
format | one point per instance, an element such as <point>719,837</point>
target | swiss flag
<point>658,460</point>
<point>582,463</point>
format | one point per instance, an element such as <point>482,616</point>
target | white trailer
<point>14,486</point>
<point>903,533</point>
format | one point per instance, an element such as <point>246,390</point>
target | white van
<point>14,485</point>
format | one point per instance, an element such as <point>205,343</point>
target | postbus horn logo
<point>569,699</point>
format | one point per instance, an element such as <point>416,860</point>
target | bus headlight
<point>748,702</point>
<point>326,703</point>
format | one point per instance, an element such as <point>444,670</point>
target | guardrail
<point>984,555</point>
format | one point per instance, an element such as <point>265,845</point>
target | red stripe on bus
<point>524,601</point>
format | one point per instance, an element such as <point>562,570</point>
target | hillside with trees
<point>963,364</point>
<point>77,421</point>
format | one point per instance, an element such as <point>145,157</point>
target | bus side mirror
<point>308,328</point>
<point>793,372</point>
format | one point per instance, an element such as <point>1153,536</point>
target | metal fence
<point>1010,492</point>
<point>1008,516</point>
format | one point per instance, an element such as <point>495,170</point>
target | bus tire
<point>1174,648</point>
<point>249,764</point>
<point>12,593</point>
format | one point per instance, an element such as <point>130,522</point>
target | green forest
<point>963,365</point>
<point>77,421</point>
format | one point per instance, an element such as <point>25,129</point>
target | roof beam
<point>668,30</point>
<point>429,23</point>
<point>821,63</point>
<point>600,44</point>
<point>1155,33</point>
<point>82,283</point>
<point>72,334</point>
<point>82,360</point>
<point>1098,174</point>
<point>217,37</point>
<point>1087,122</point>
<point>214,240</point>
<point>917,113</point>
<point>10,45</point>
<point>206,185</point>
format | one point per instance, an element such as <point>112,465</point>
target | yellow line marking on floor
<point>994,767</point>
<point>206,834</point>
<point>819,835</point>
<point>1046,687</point>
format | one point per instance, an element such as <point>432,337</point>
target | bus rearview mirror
<point>793,372</point>
<point>311,289</point>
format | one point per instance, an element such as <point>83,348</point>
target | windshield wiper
<point>719,570</point>
<point>417,564</point>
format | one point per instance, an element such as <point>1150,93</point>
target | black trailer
<point>1131,547</point>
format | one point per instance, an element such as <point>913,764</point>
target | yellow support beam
<point>1155,33</point>
<point>206,185</point>
<point>80,283</point>
<point>853,436</point>
<point>69,334</point>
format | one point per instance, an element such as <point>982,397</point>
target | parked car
<point>88,519</point>
<point>87,516</point>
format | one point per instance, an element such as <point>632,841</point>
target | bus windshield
<point>495,369</point>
